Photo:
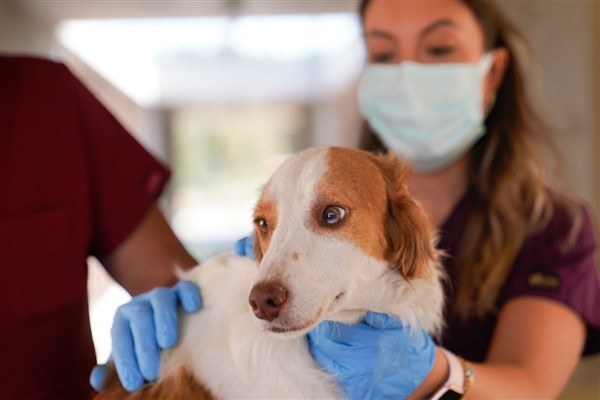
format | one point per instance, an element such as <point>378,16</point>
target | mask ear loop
<point>486,61</point>
<point>485,65</point>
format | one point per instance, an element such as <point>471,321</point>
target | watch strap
<point>453,388</point>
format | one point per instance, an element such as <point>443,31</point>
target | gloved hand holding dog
<point>142,328</point>
<point>379,358</point>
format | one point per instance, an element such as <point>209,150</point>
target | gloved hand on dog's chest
<point>376,359</point>
<point>141,329</point>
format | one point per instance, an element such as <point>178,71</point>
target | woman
<point>523,287</point>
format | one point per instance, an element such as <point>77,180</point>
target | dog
<point>337,234</point>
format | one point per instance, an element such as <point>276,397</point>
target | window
<point>222,156</point>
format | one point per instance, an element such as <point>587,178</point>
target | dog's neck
<point>389,293</point>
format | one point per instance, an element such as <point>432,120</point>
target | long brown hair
<point>506,173</point>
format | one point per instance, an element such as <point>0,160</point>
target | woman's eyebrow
<point>379,34</point>
<point>376,33</point>
<point>437,24</point>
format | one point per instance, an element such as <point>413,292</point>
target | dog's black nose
<point>267,299</point>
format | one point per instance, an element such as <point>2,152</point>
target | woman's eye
<point>381,58</point>
<point>440,51</point>
<point>333,214</point>
<point>261,224</point>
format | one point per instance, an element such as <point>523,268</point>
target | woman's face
<point>429,32</point>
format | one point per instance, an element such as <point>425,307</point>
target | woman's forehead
<point>417,18</point>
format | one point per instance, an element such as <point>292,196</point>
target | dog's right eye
<point>261,224</point>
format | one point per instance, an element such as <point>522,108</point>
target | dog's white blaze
<point>292,199</point>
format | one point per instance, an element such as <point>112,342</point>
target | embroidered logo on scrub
<point>153,182</point>
<point>544,281</point>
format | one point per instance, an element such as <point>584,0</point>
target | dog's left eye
<point>333,214</point>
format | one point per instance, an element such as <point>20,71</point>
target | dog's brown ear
<point>411,233</point>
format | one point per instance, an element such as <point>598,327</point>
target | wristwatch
<point>460,378</point>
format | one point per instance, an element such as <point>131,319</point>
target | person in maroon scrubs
<point>73,184</point>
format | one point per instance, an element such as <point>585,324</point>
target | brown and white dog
<point>337,234</point>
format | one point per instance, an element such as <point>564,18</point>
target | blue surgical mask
<point>430,114</point>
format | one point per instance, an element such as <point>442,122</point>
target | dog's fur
<point>380,256</point>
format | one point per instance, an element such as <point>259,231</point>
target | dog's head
<point>338,234</point>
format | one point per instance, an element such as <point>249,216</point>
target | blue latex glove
<point>375,359</point>
<point>245,247</point>
<point>141,329</point>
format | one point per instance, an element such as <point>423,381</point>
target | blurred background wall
<point>223,90</point>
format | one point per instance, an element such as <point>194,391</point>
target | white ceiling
<point>54,11</point>
<point>201,81</point>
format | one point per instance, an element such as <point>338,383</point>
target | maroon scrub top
<point>73,183</point>
<point>543,268</point>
